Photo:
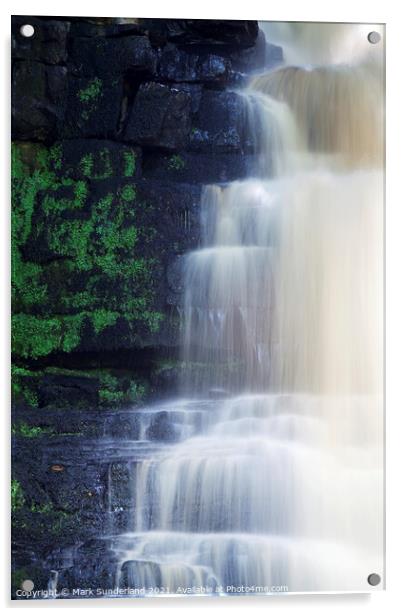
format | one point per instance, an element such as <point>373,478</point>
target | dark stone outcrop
<point>161,428</point>
<point>220,123</point>
<point>78,391</point>
<point>179,65</point>
<point>204,32</point>
<point>93,107</point>
<point>82,159</point>
<point>38,99</point>
<point>105,56</point>
<point>197,167</point>
<point>160,117</point>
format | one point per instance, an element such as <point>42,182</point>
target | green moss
<point>116,392</point>
<point>24,190</point>
<point>130,163</point>
<point>109,394</point>
<point>106,165</point>
<point>99,166</point>
<point>54,204</point>
<point>89,97</point>
<point>153,320</point>
<point>104,245</point>
<point>26,431</point>
<point>91,92</point>
<point>34,337</point>
<point>86,165</point>
<point>116,388</point>
<point>102,318</point>
<point>80,193</point>
<point>17,496</point>
<point>110,398</point>
<point>56,155</point>
<point>17,166</point>
<point>129,193</point>
<point>71,327</point>
<point>176,162</point>
<point>47,509</point>
<point>136,392</point>
<point>24,386</point>
<point>98,241</point>
<point>28,287</point>
<point>167,364</point>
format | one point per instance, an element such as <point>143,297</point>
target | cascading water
<point>278,485</point>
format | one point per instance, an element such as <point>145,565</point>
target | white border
<point>284,10</point>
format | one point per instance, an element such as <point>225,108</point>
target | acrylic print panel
<point>197,307</point>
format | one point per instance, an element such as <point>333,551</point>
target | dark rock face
<point>161,429</point>
<point>83,159</point>
<point>93,107</point>
<point>194,167</point>
<point>160,117</point>
<point>92,566</point>
<point>220,125</point>
<point>102,57</point>
<point>77,390</point>
<point>116,127</point>
<point>179,65</point>
<point>76,421</point>
<point>38,99</point>
<point>219,33</point>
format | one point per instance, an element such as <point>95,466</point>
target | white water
<point>280,487</point>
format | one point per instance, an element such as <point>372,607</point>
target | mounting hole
<point>28,585</point>
<point>374,37</point>
<point>374,579</point>
<point>27,30</point>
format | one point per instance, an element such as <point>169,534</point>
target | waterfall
<point>279,486</point>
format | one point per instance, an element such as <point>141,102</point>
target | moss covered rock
<point>80,260</point>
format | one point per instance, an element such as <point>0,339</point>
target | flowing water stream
<point>276,482</point>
